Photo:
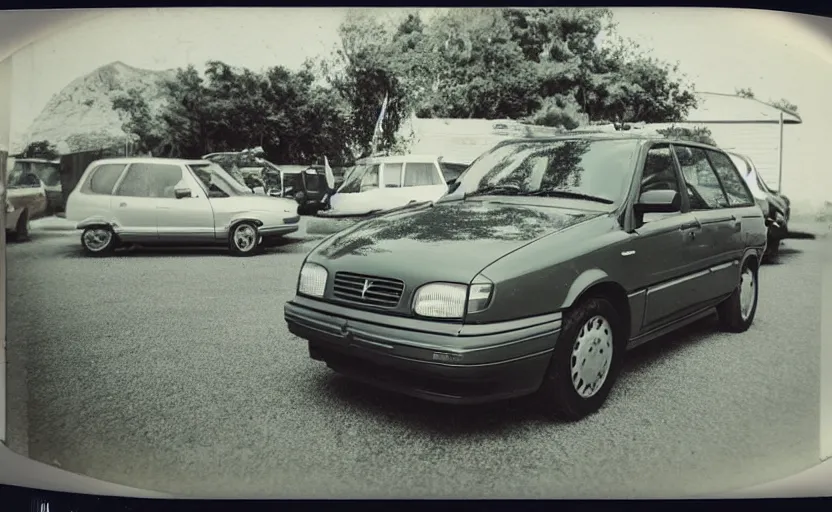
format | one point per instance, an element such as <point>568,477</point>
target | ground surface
<point>174,371</point>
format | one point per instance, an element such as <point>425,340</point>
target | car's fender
<point>97,220</point>
<point>259,218</point>
<point>751,252</point>
<point>586,280</point>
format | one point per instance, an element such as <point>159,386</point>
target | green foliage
<point>699,134</point>
<point>94,141</point>
<point>556,67</point>
<point>40,149</point>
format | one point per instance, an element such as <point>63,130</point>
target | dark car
<point>778,206</point>
<point>547,259</point>
<point>306,184</point>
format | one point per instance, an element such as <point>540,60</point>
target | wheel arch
<point>596,283</point>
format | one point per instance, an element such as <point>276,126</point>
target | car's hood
<point>447,241</point>
<point>255,202</point>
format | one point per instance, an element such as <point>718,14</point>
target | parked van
<point>377,184</point>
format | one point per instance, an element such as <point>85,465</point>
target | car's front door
<point>134,206</point>
<point>659,254</point>
<point>716,248</point>
<point>185,219</point>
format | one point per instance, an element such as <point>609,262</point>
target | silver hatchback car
<point>162,201</point>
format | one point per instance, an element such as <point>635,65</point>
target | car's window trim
<point>130,166</point>
<point>722,185</point>
<point>436,170</point>
<point>638,176</point>
<point>86,188</point>
<point>685,183</point>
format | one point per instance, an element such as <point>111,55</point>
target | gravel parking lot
<point>174,371</point>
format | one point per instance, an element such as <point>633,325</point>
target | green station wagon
<point>544,263</point>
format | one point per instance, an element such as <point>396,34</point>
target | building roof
<point>716,107</point>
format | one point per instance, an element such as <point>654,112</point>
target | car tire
<point>99,241</point>
<point>736,315</point>
<point>21,228</point>
<point>589,329</point>
<point>244,239</point>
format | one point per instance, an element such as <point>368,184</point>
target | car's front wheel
<point>586,361</point>
<point>736,313</point>
<point>244,239</point>
<point>99,241</point>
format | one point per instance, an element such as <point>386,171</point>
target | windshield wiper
<point>497,190</point>
<point>549,192</point>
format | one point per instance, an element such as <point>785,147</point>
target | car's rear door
<point>658,257</point>
<point>134,205</point>
<point>713,250</point>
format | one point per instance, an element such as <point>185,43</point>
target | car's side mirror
<point>658,201</point>
<point>182,193</point>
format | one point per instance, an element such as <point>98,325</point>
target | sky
<point>777,55</point>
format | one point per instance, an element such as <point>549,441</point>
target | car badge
<point>367,284</point>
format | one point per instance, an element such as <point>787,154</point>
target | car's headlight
<point>451,300</point>
<point>312,280</point>
<point>9,207</point>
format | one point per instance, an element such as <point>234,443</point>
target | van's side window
<point>151,180</point>
<point>421,175</point>
<point>104,178</point>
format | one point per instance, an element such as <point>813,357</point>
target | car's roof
<point>152,160</point>
<point>628,135</point>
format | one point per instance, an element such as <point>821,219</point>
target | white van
<point>377,184</point>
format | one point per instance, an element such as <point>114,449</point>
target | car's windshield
<point>595,170</point>
<point>363,177</point>
<point>218,183</point>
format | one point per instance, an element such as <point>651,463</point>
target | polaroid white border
<point>21,28</point>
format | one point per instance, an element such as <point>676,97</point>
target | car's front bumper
<point>436,361</point>
<point>290,225</point>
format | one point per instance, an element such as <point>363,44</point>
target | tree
<point>629,85</point>
<point>365,69</point>
<point>144,129</point>
<point>744,93</point>
<point>481,72</point>
<point>40,149</point>
<point>699,134</point>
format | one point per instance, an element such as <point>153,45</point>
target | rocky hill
<point>81,115</point>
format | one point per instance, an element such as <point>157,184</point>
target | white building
<point>462,140</point>
<point>745,125</point>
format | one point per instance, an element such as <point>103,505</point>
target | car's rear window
<point>103,178</point>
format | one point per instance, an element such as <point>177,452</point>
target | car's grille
<point>370,290</point>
